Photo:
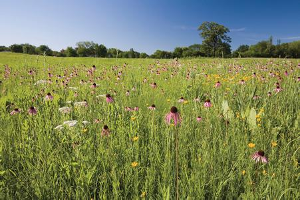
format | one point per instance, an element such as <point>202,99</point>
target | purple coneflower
<point>199,119</point>
<point>269,94</point>
<point>242,82</point>
<point>278,89</point>
<point>218,84</point>
<point>94,85</point>
<point>49,97</point>
<point>105,131</point>
<point>259,156</point>
<point>153,85</point>
<point>15,111</point>
<point>152,107</point>
<point>32,111</point>
<point>109,98</point>
<point>207,104</point>
<point>181,100</point>
<point>173,115</point>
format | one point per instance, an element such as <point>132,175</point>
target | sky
<point>144,25</point>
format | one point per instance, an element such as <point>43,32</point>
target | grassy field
<point>45,155</point>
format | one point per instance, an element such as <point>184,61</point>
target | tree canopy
<point>215,40</point>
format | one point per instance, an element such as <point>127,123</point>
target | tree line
<point>216,43</point>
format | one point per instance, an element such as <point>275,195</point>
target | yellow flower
<point>133,118</point>
<point>251,145</point>
<point>84,130</point>
<point>135,138</point>
<point>273,175</point>
<point>258,119</point>
<point>243,172</point>
<point>143,194</point>
<point>258,124</point>
<point>274,144</point>
<point>168,100</point>
<point>264,172</point>
<point>134,164</point>
<point>185,102</point>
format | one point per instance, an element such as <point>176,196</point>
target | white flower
<point>70,123</point>
<point>65,109</point>
<point>73,88</point>
<point>41,82</point>
<point>59,127</point>
<point>81,103</point>
<point>101,95</point>
<point>85,122</point>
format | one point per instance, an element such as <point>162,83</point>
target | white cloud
<point>237,29</point>
<point>291,38</point>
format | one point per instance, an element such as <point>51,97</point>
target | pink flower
<point>94,85</point>
<point>109,99</point>
<point>136,109</point>
<point>127,93</point>
<point>97,121</point>
<point>199,119</point>
<point>207,104</point>
<point>15,111</point>
<point>242,82</point>
<point>269,94</point>
<point>278,89</point>
<point>152,107</point>
<point>197,99</point>
<point>173,115</point>
<point>32,111</point>
<point>153,85</point>
<point>181,100</point>
<point>259,156</point>
<point>218,84</point>
<point>49,97</point>
<point>286,73</point>
<point>105,131</point>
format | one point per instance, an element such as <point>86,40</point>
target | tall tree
<point>214,38</point>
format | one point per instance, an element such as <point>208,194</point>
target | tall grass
<point>137,160</point>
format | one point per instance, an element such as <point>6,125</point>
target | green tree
<point>43,49</point>
<point>29,49</point>
<point>214,37</point>
<point>70,52</point>
<point>16,48</point>
<point>100,50</point>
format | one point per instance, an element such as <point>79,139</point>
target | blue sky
<point>144,25</point>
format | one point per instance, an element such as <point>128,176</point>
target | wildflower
<point>243,172</point>
<point>207,104</point>
<point>48,97</point>
<point>269,94</point>
<point>143,194</point>
<point>105,131</point>
<point>109,99</point>
<point>97,121</point>
<point>85,122</point>
<point>181,100</point>
<point>152,107</point>
<point>173,115</point>
<point>127,93</point>
<point>32,111</point>
<point>84,130</point>
<point>134,164</point>
<point>94,85</point>
<point>135,138</point>
<point>133,118</point>
<point>70,123</point>
<point>264,172</point>
<point>278,89</point>
<point>251,145</point>
<point>82,103</point>
<point>199,119</point>
<point>64,110</point>
<point>153,85</point>
<point>274,144</point>
<point>15,111</point>
<point>256,97</point>
<point>185,102</point>
<point>259,156</point>
<point>136,108</point>
<point>59,127</point>
<point>242,82</point>
<point>218,84</point>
